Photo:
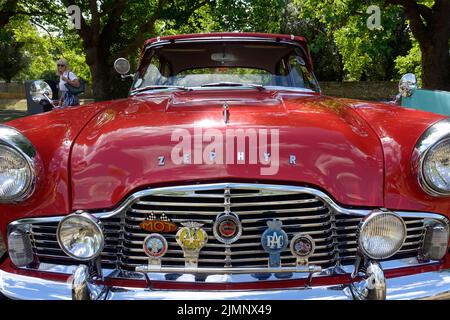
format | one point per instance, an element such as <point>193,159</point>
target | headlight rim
<point>98,225</point>
<point>433,136</point>
<point>427,185</point>
<point>11,138</point>
<point>364,223</point>
<point>29,186</point>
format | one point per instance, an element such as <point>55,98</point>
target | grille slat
<point>301,212</point>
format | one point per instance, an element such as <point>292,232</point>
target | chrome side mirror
<point>122,66</point>
<point>407,83</point>
<point>40,90</point>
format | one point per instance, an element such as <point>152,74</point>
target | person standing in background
<point>67,98</point>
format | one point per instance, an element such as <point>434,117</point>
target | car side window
<point>299,73</point>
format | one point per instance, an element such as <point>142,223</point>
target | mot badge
<point>191,238</point>
<point>274,240</point>
<point>155,247</point>
<point>302,247</point>
<point>158,225</point>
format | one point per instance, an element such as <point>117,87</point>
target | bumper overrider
<point>293,266</point>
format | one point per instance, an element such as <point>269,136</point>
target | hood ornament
<point>226,112</point>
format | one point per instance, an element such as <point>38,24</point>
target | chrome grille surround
<point>301,209</point>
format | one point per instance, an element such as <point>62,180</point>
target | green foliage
<point>366,54</point>
<point>13,59</point>
<point>43,49</point>
<point>342,46</point>
<point>410,63</point>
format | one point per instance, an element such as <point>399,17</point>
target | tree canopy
<point>413,35</point>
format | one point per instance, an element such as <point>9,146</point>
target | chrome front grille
<point>301,210</point>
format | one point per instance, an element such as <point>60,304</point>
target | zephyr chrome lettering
<point>230,146</point>
<point>292,159</point>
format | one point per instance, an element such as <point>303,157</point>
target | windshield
<point>218,64</point>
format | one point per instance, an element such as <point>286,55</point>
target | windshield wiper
<point>235,84</point>
<point>156,87</point>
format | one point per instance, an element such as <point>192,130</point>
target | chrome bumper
<point>429,285</point>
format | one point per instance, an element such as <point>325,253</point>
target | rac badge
<point>302,247</point>
<point>162,225</point>
<point>274,240</point>
<point>191,238</point>
<point>155,247</point>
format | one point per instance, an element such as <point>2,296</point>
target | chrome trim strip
<point>12,138</point>
<point>429,285</point>
<point>236,278</point>
<point>437,133</point>
<point>220,271</point>
<point>188,189</point>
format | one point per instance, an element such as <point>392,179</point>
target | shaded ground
<point>11,109</point>
<point>13,104</point>
<point>8,115</point>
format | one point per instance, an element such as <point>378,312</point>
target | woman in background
<point>65,76</point>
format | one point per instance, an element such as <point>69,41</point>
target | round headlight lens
<point>81,236</point>
<point>436,167</point>
<point>381,235</point>
<point>15,174</point>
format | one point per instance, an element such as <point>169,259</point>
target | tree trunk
<point>97,58</point>
<point>436,65</point>
<point>101,80</point>
<point>431,28</point>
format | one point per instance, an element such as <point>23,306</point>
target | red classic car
<point>227,173</point>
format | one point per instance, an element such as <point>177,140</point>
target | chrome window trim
<point>161,43</point>
<point>12,138</point>
<point>434,135</point>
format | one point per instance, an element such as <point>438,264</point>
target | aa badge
<point>191,238</point>
<point>155,247</point>
<point>274,240</point>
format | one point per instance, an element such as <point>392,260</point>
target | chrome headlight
<point>436,168</point>
<point>381,235</point>
<point>80,236</point>
<point>18,164</point>
<point>431,160</point>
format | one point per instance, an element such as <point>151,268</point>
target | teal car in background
<point>428,100</point>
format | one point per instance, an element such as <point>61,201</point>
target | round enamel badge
<point>302,246</point>
<point>155,245</point>
<point>227,228</point>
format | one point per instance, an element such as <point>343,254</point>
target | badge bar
<point>298,269</point>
